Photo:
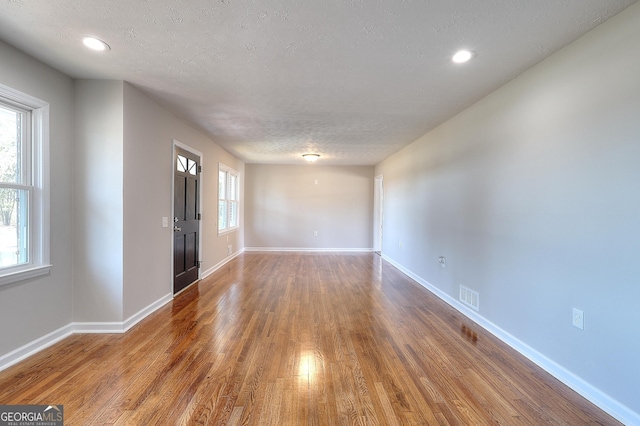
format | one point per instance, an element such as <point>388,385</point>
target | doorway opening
<point>378,216</point>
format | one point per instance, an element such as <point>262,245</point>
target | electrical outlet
<point>578,318</point>
<point>442,261</point>
<point>315,233</point>
<point>228,249</point>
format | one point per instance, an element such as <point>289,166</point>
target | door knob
<point>176,229</point>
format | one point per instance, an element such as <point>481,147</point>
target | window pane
<point>222,215</point>
<point>228,195</point>
<point>10,133</point>
<point>233,214</point>
<point>192,166</point>
<point>233,186</point>
<point>14,213</point>
<point>222,184</point>
<point>181,165</point>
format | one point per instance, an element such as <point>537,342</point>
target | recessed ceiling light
<point>95,44</point>
<point>311,157</point>
<point>462,56</point>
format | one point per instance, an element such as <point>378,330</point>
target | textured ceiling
<point>269,80</point>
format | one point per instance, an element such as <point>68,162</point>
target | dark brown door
<point>186,208</point>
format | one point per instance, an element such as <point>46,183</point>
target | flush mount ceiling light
<point>95,44</point>
<point>311,157</point>
<point>462,56</point>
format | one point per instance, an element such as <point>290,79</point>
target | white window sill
<point>24,274</point>
<point>228,231</point>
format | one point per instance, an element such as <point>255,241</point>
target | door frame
<point>378,212</point>
<point>177,144</point>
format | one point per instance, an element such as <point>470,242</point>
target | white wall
<point>284,206</point>
<point>533,196</point>
<point>149,131</point>
<point>111,164</point>
<point>33,308</point>
<point>98,215</point>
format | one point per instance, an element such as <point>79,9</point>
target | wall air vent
<point>470,298</point>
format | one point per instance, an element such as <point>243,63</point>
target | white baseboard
<point>220,264</point>
<point>302,249</point>
<point>35,346</point>
<point>97,327</point>
<point>614,408</point>
<point>145,312</point>
<point>55,336</point>
<point>121,327</point>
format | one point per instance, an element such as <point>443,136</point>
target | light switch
<point>165,222</point>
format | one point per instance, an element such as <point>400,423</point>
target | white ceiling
<point>269,80</point>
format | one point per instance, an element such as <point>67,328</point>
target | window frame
<point>229,202</point>
<point>38,217</point>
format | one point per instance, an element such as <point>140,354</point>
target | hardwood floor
<point>297,339</point>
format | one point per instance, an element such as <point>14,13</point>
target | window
<point>228,197</point>
<point>24,196</point>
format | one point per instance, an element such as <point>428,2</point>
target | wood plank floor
<point>297,339</point>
